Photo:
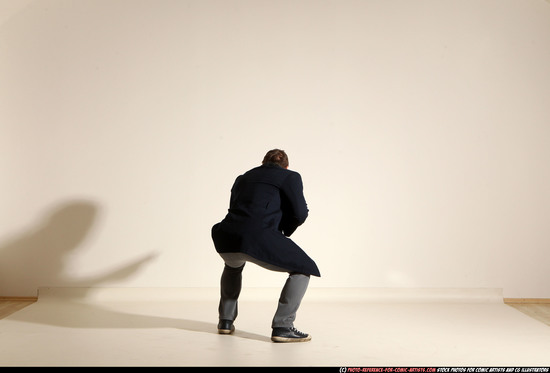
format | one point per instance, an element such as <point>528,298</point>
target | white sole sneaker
<point>287,340</point>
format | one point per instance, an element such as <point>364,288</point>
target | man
<point>267,205</point>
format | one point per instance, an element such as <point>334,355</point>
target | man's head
<point>276,156</point>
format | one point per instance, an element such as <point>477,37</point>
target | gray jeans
<point>231,282</point>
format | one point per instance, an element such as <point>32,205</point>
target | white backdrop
<point>421,130</point>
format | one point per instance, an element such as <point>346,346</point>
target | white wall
<point>421,130</point>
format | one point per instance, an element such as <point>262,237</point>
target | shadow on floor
<point>71,314</point>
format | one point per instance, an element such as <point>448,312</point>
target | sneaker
<point>289,335</point>
<point>226,327</point>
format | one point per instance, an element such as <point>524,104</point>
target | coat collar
<point>270,164</point>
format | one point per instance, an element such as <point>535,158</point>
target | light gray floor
<point>348,331</point>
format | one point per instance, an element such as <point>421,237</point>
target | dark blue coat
<point>267,205</point>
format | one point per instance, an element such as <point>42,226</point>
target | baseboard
<point>19,299</point>
<point>505,300</point>
<point>374,295</point>
<point>527,300</point>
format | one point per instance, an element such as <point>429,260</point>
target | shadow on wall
<point>38,258</point>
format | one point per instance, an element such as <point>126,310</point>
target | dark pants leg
<point>230,289</point>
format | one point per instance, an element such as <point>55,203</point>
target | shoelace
<point>298,332</point>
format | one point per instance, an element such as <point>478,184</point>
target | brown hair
<point>276,156</point>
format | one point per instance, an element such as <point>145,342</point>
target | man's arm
<point>293,204</point>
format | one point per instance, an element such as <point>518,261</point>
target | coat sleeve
<point>293,204</point>
<point>233,197</point>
